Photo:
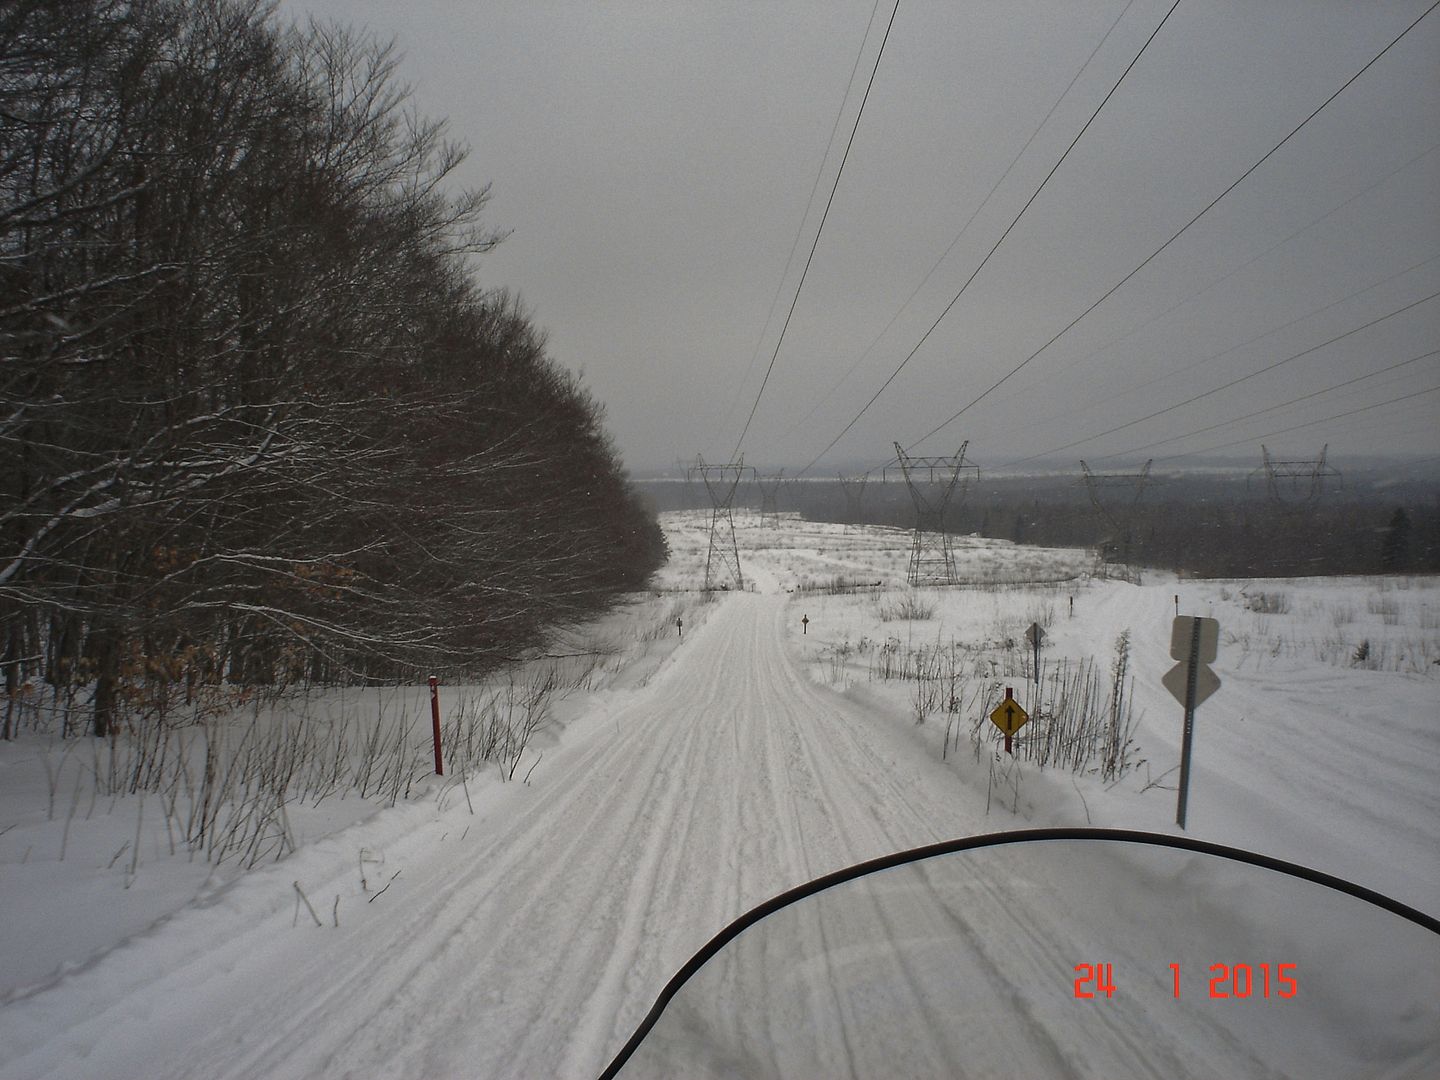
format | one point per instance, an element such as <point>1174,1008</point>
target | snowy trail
<point>529,937</point>
<point>535,949</point>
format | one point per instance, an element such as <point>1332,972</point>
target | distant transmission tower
<point>1118,510</point>
<point>854,489</point>
<point>933,482</point>
<point>685,471</point>
<point>724,555</point>
<point>769,499</point>
<point>1295,485</point>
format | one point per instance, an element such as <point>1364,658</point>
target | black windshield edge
<point>999,839</point>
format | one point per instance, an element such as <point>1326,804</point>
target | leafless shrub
<point>225,785</point>
<point>910,606</point>
<point>1387,607</point>
<point>1268,603</point>
<point>838,584</point>
<point>1081,721</point>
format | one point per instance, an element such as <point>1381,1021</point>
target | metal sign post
<point>1194,642</point>
<point>1035,635</point>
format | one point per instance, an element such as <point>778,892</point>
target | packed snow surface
<point>523,927</point>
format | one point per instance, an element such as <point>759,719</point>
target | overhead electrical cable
<point>1211,357</point>
<point>1309,423</point>
<point>828,202</point>
<point>1131,387</point>
<point>968,222</point>
<point>800,229</point>
<point>1134,386</point>
<point>1233,382</point>
<point>1270,153</point>
<point>1270,408</point>
<point>924,337</point>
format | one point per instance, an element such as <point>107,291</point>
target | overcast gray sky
<point>653,162</point>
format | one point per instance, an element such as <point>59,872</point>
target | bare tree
<point>256,422</point>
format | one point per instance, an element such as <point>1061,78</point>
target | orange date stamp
<point>1239,981</point>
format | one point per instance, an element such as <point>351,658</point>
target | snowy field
<point>518,917</point>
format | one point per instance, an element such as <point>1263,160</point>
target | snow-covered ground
<point>523,927</point>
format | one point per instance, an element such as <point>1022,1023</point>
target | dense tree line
<point>1227,526</point>
<point>256,421</point>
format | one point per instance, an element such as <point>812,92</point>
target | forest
<point>259,425</point>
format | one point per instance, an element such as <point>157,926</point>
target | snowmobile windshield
<point>1058,953</point>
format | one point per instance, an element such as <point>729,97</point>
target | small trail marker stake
<point>1009,716</point>
<point>435,722</point>
<point>1193,642</point>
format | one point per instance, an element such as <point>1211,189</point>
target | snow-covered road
<point>526,932</point>
<point>533,946</point>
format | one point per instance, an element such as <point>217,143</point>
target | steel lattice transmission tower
<point>933,482</point>
<point>1117,512</point>
<point>1295,486</point>
<point>688,474</point>
<point>853,488</point>
<point>721,481</point>
<point>769,499</point>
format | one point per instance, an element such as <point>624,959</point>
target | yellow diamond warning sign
<point>1009,716</point>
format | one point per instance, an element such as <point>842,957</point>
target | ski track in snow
<point>534,944</point>
<point>536,950</point>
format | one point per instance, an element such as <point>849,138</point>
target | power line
<point>1308,423</point>
<point>1215,356</point>
<point>1134,386</point>
<point>992,251</point>
<point>828,202</point>
<point>1182,230</point>
<point>1232,382</point>
<point>1272,408</point>
<point>968,222</point>
<point>800,229</point>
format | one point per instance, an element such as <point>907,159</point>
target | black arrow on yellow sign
<point>1009,716</point>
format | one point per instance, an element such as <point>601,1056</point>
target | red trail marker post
<point>435,722</point>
